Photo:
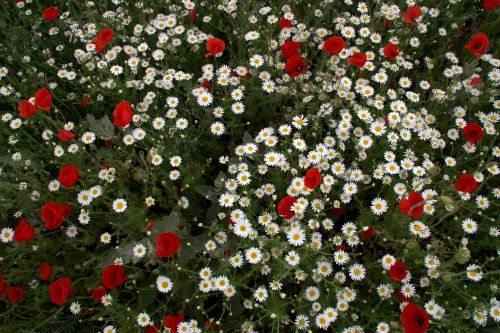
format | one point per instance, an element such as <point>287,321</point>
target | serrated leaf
<point>102,128</point>
<point>169,223</point>
<point>219,182</point>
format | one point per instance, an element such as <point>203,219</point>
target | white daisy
<point>119,205</point>
<point>253,255</point>
<point>164,284</point>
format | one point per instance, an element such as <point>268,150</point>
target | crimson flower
<point>45,271</point>
<point>412,14</point>
<point>65,136</point>
<point>122,114</point>
<point>214,46</point>
<point>391,51</point>
<point>413,205</point>
<point>167,244</point>
<point>358,59</point>
<point>113,276</point>
<point>490,4</point>
<point>285,23</point>
<point>284,207</point>
<point>398,271</point>
<point>26,109</point>
<point>43,99</point>
<point>50,14</point>
<point>478,44</point>
<point>60,290</point>
<point>465,183</point>
<point>290,48</point>
<point>312,178</point>
<point>295,65</point>
<point>53,213</point>
<point>104,37</point>
<point>368,233</point>
<point>334,45</point>
<point>98,293</point>
<point>68,175</point>
<point>24,231</point>
<point>15,293</point>
<point>473,132</point>
<point>414,319</point>
<point>173,321</point>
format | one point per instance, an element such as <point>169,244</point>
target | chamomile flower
<point>357,272</point>
<point>296,236</point>
<point>143,319</point>
<point>253,255</point>
<point>139,250</point>
<point>119,205</point>
<point>164,284</point>
<point>378,206</point>
<point>75,308</point>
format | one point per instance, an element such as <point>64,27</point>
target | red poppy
<point>358,59</point>
<point>490,4</point>
<point>50,14</point>
<point>412,14</point>
<point>210,324</point>
<point>103,37</point>
<point>85,100</point>
<point>334,45</point>
<point>338,210</point>
<point>312,178</point>
<point>43,99</point>
<point>391,51</point>
<point>466,183</point>
<point>172,321</point>
<point>214,46</point>
<point>167,244</point>
<point>401,297</point>
<point>150,225</point>
<point>284,207</point>
<point>60,290</point>
<point>68,175</point>
<point>24,231</point>
<point>193,15</point>
<point>122,114</point>
<point>206,85</point>
<point>290,48</point>
<point>45,271</point>
<point>295,65</point>
<point>113,276</point>
<point>368,233</point>
<point>341,247</point>
<point>155,328</point>
<point>473,132</point>
<point>414,319</point>
<point>413,205</point>
<point>98,293</point>
<point>475,81</point>
<point>285,23</point>
<point>15,294</point>
<point>53,213</point>
<point>398,271</point>
<point>478,44</point>
<point>65,136</point>
<point>26,109</point>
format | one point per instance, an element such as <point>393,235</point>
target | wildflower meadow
<point>281,166</point>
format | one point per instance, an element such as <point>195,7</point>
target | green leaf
<point>103,128</point>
